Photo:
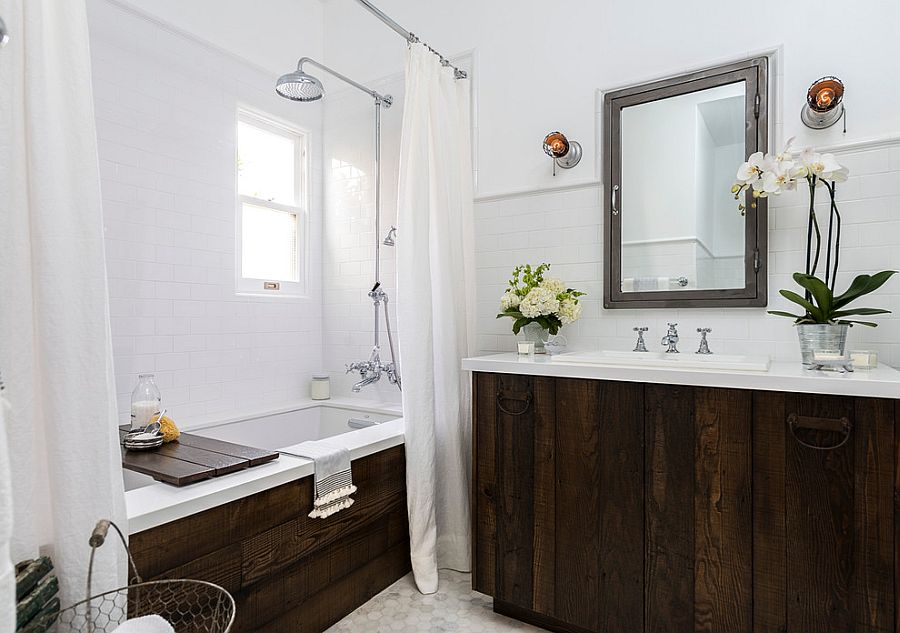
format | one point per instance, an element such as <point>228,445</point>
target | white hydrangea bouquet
<point>533,298</point>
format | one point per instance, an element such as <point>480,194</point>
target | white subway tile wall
<point>565,229</point>
<point>349,245</point>
<point>166,109</point>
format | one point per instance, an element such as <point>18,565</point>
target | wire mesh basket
<point>190,606</point>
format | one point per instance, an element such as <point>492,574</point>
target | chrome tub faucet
<point>671,339</point>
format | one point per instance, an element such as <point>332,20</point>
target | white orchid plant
<point>533,298</point>
<point>765,175</point>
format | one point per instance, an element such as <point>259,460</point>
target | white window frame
<point>300,138</point>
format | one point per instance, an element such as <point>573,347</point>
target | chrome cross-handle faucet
<point>671,339</point>
<point>704,344</point>
<point>640,345</point>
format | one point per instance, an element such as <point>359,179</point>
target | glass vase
<point>535,333</point>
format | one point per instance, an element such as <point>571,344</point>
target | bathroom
<point>168,212</point>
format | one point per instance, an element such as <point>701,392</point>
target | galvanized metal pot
<point>818,337</point>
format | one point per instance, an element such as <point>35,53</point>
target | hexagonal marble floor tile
<point>454,608</point>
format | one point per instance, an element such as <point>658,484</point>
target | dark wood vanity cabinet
<point>628,507</point>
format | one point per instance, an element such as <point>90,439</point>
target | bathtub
<point>364,428</point>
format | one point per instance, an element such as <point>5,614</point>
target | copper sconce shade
<point>824,104</point>
<point>565,153</point>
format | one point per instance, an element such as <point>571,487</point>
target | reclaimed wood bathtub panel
<point>162,548</point>
<point>288,572</point>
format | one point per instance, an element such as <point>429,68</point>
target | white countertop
<point>882,382</point>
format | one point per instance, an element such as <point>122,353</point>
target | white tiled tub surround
<point>564,228</point>
<point>349,231</point>
<point>166,108</point>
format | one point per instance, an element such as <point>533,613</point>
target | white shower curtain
<point>435,285</point>
<point>55,344</point>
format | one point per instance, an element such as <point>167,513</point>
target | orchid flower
<point>751,171</point>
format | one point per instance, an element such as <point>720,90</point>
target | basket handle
<point>98,538</point>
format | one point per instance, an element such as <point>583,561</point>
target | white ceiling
<point>272,34</point>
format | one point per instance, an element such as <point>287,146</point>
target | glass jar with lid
<point>146,402</point>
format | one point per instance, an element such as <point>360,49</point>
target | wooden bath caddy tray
<point>192,458</point>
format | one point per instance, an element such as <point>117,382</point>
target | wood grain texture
<point>769,536</point>
<point>723,539</point>
<point>193,458</point>
<point>873,522</point>
<point>819,522</point>
<point>515,487</point>
<point>669,562</point>
<point>315,571</point>
<point>545,526</point>
<point>578,502</point>
<point>484,463</point>
<point>620,597</point>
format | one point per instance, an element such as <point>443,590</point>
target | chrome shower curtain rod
<point>411,38</point>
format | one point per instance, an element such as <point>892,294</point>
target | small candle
<point>864,359</point>
<point>526,348</point>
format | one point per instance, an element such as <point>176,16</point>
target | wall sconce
<point>824,105</point>
<point>564,152</point>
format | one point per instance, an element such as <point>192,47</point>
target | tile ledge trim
<point>876,142</point>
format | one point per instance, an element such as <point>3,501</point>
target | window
<point>271,214</point>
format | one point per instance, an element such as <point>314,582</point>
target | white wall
<point>538,67</point>
<point>166,108</point>
<point>565,229</point>
<point>540,62</point>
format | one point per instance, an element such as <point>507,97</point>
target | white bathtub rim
<point>243,415</point>
<point>159,503</point>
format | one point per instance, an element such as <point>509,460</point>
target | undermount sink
<point>668,361</point>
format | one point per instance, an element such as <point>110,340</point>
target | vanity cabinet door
<point>698,510</point>
<point>825,531</point>
<point>559,500</point>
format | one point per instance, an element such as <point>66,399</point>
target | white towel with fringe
<point>333,477</point>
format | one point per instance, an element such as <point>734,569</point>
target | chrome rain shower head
<point>299,86</point>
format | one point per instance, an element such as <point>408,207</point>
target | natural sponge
<point>168,429</point>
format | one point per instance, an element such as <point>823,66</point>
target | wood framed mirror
<point>674,236</point>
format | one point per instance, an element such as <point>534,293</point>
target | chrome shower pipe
<point>385,101</point>
<point>411,38</point>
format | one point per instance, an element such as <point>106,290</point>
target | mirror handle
<point>614,200</point>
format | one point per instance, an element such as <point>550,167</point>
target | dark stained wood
<point>819,519</point>
<point>163,468</point>
<point>537,619</point>
<point>723,539</point>
<point>220,463</point>
<point>515,488</point>
<point>255,456</point>
<point>621,507</point>
<point>578,502</point>
<point>484,461</point>
<point>873,523</point>
<point>769,536</point>
<point>319,572</point>
<point>896,515</point>
<point>192,458</point>
<point>669,564</point>
<point>381,484</point>
<point>545,527</point>
<point>654,508</point>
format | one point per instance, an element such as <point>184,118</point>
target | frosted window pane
<point>269,248</point>
<point>266,165</point>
